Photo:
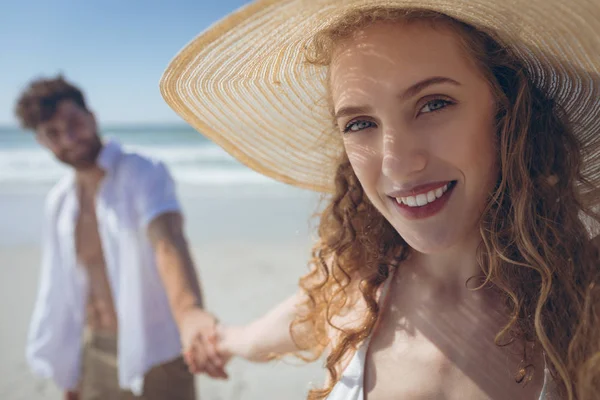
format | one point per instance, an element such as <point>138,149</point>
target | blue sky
<point>116,50</point>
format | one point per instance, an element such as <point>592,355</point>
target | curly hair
<point>536,245</point>
<point>39,100</point>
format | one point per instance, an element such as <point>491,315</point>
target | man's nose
<point>68,138</point>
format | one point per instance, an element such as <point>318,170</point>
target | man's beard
<point>87,159</point>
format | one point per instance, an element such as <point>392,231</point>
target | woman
<point>459,143</point>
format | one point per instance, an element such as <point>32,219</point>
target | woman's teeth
<point>423,198</point>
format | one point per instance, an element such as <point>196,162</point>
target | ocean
<point>212,185</point>
<point>191,158</point>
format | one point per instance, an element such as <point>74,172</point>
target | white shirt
<point>134,191</point>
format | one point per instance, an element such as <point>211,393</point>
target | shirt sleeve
<point>157,194</point>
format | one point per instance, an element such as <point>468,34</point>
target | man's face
<point>71,134</point>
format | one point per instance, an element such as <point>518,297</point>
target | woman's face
<point>418,123</point>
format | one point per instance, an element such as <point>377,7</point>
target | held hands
<point>198,330</point>
<point>209,346</point>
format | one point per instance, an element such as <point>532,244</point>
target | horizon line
<point>117,124</point>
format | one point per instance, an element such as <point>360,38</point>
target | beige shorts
<point>99,381</point>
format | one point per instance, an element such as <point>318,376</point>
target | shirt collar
<point>109,155</point>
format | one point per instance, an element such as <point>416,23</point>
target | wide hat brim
<point>244,83</point>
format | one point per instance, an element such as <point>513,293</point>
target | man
<point>116,269</point>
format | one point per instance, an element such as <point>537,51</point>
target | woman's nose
<point>403,155</point>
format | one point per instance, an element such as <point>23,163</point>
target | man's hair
<point>39,100</point>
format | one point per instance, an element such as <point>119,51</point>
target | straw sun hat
<point>244,82</point>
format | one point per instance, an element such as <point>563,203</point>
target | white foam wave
<point>194,165</point>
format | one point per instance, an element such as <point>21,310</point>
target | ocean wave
<point>195,165</point>
<point>183,154</point>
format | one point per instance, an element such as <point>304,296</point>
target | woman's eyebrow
<point>425,83</point>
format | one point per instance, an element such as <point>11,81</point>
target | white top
<point>134,191</point>
<point>351,384</point>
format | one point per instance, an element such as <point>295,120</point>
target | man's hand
<point>198,339</point>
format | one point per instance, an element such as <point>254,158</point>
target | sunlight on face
<point>417,119</point>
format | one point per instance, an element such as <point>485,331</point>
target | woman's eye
<point>359,125</point>
<point>434,105</point>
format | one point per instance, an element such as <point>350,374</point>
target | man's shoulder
<point>140,167</point>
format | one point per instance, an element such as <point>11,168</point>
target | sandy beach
<point>251,244</point>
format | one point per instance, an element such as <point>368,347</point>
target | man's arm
<point>197,327</point>
<point>175,263</point>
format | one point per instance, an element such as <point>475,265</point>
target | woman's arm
<point>269,335</point>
